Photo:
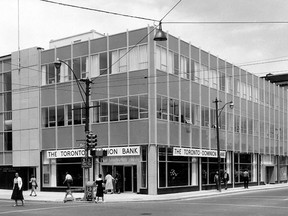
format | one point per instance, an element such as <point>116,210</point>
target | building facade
<point>151,107</point>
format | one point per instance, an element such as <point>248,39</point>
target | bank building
<point>152,105</point>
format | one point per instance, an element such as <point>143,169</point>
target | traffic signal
<point>91,140</point>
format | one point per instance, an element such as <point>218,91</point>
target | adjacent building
<point>151,107</point>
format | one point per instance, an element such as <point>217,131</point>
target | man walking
<point>246,178</point>
<point>225,179</point>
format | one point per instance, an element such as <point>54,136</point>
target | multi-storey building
<point>151,106</point>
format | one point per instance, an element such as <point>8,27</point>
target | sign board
<point>68,153</point>
<point>189,152</point>
<point>86,162</point>
<point>123,151</point>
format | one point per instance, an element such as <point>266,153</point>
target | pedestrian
<point>100,189</point>
<point>246,178</point>
<point>216,180</point>
<point>109,183</point>
<point>17,193</point>
<point>68,180</point>
<point>225,179</point>
<point>117,182</point>
<point>34,185</point>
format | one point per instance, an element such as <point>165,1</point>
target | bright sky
<point>261,45</point>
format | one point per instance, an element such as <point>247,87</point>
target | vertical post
<point>218,144</point>
<point>87,130</point>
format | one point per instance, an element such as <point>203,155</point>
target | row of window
<point>168,61</point>
<point>168,108</point>
<point>116,109</point>
<point>113,62</point>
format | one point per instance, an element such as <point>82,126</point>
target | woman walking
<point>33,183</point>
<point>17,193</point>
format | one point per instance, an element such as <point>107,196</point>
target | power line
<point>101,11</point>
<point>225,22</point>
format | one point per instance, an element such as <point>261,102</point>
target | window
<point>162,111</point>
<point>45,117</point>
<point>185,113</point>
<point>77,67</point>
<point>230,122</point>
<point>123,110</point>
<point>118,61</point>
<point>68,114</point>
<point>222,80</point>
<point>176,63</point>
<point>77,113</point>
<point>133,107</point>
<point>103,111</point>
<point>195,111</point>
<point>103,63</point>
<point>138,56</point>
<point>197,72</point>
<point>143,106</point>
<point>237,124</point>
<point>184,67</point>
<point>161,58</point>
<point>250,126</point>
<point>60,116</point>
<point>52,117</point>
<point>256,127</point>
<point>51,74</point>
<point>114,109</point>
<point>205,116</point>
<point>95,69</point>
<point>243,125</point>
<point>174,110</point>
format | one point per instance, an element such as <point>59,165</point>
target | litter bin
<point>89,191</point>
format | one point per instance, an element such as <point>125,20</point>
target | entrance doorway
<point>128,176</point>
<point>269,175</point>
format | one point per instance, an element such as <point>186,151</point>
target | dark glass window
<point>103,63</point>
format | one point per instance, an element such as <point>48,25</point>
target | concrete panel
<point>98,45</point>
<point>162,132</point>
<point>118,85</point>
<point>196,137</point>
<point>80,49</point>
<point>118,133</point>
<point>174,134</point>
<point>16,140</point>
<point>185,135</point>
<point>65,138</point>
<point>161,82</point>
<point>102,133</point>
<point>48,95</point>
<point>64,93</point>
<point>118,41</point>
<point>48,138</point>
<point>34,139</point>
<point>138,35</point>
<point>34,158</point>
<point>139,132</point>
<point>138,83</point>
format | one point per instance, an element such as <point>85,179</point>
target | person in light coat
<point>109,183</point>
<point>17,193</point>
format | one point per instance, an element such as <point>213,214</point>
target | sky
<point>253,44</point>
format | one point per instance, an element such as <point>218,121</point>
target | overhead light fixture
<point>160,34</point>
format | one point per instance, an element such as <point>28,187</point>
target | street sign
<point>86,162</point>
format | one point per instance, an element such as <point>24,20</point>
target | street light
<point>160,34</point>
<point>86,101</point>
<point>218,113</point>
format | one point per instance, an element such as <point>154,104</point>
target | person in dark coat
<point>246,178</point>
<point>225,179</point>
<point>216,180</point>
<point>17,193</point>
<point>100,189</point>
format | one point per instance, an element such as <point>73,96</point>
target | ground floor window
<point>73,167</point>
<point>173,170</point>
<point>242,162</point>
<point>209,168</point>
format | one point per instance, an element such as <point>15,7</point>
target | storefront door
<point>128,183</point>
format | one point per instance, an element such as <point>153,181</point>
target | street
<point>265,203</point>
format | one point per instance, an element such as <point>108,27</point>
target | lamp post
<point>218,113</point>
<point>86,101</point>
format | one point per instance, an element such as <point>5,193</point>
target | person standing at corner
<point>17,193</point>
<point>33,183</point>
<point>117,182</point>
<point>100,189</point>
<point>246,178</point>
<point>216,180</point>
<point>225,179</point>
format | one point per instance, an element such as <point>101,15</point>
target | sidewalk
<point>133,197</point>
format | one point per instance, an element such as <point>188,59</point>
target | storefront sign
<point>66,153</point>
<point>189,152</point>
<point>123,151</point>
